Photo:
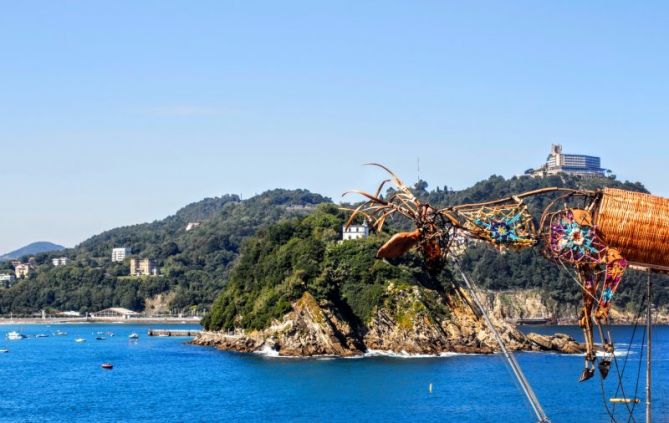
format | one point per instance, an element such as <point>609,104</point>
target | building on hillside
<point>22,270</point>
<point>143,267</point>
<point>60,261</point>
<point>301,208</point>
<point>192,225</point>
<point>119,254</point>
<point>355,232</point>
<point>573,164</point>
<point>115,313</point>
<point>7,279</point>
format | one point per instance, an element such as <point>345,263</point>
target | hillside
<point>267,281</point>
<point>193,264</point>
<point>197,265</point>
<point>31,250</point>
<point>300,292</point>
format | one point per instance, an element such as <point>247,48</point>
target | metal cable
<point>511,360</point>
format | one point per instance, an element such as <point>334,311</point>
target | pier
<point>173,332</point>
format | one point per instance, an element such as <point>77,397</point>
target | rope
<point>604,401</point>
<point>564,267</point>
<point>510,359</point>
<point>620,388</point>
<point>638,373</point>
<point>620,373</point>
<point>629,349</point>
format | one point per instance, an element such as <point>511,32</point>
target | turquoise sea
<point>161,379</point>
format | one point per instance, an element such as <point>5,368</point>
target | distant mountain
<point>31,249</point>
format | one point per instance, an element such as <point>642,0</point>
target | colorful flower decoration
<point>504,226</point>
<point>574,240</point>
<point>615,268</point>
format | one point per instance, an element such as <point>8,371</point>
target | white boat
<point>14,335</point>
<point>80,340</point>
<point>133,335</point>
<point>41,335</point>
<point>60,333</point>
<point>4,350</point>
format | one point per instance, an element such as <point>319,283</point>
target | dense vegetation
<point>527,268</point>
<point>283,261</point>
<point>293,251</point>
<point>193,264</point>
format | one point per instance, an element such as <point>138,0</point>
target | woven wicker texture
<point>636,224</point>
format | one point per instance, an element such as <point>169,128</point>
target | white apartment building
<point>119,254</point>
<point>355,232</point>
<point>60,261</point>
<point>6,279</point>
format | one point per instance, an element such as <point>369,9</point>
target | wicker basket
<point>637,225</point>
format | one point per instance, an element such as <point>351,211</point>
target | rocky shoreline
<point>412,321</point>
<point>558,342</point>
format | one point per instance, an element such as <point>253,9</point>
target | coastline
<point>6,321</point>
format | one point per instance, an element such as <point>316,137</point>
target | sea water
<point>163,379</point>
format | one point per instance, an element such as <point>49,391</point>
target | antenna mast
<point>418,167</point>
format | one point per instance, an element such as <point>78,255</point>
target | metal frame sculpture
<point>596,233</point>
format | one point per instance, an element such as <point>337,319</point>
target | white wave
<point>616,353</point>
<point>599,354</point>
<point>404,354</point>
<point>267,351</point>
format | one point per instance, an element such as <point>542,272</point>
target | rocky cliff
<point>514,305</point>
<point>410,320</point>
<point>297,291</point>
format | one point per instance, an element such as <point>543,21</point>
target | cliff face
<point>533,304</point>
<point>411,320</point>
<point>310,329</point>
<point>422,321</point>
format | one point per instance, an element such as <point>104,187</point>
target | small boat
<point>60,333</point>
<point>41,335</point>
<point>4,350</point>
<point>14,335</point>
<point>133,335</point>
<point>100,338</point>
<point>107,366</point>
<point>80,340</point>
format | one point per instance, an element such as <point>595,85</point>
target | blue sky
<point>114,113</point>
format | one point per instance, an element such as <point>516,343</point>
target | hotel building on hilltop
<point>573,164</point>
